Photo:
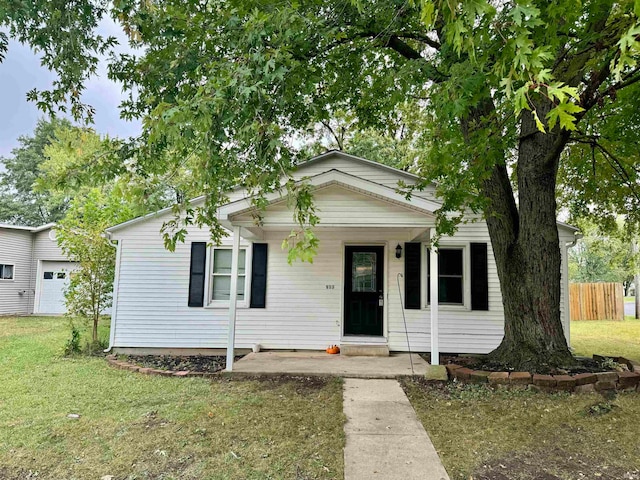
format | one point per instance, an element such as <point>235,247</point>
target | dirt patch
<point>151,420</point>
<point>193,363</point>
<point>584,365</point>
<point>558,465</point>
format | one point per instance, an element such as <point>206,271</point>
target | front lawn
<point>523,435</point>
<point>613,338</point>
<point>134,426</point>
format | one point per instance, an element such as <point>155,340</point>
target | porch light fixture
<point>398,251</point>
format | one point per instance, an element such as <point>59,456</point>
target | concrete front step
<point>364,350</point>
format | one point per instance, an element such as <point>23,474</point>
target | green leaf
<point>428,13</point>
<point>563,113</point>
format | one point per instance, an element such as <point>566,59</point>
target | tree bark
<point>527,251</point>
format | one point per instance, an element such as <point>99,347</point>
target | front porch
<point>322,364</point>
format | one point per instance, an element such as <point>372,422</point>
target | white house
<point>370,278</point>
<point>33,271</point>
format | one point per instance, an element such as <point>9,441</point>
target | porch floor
<point>323,364</point>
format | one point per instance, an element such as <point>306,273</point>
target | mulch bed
<point>585,365</point>
<point>194,363</point>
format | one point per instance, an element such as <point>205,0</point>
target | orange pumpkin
<point>333,349</point>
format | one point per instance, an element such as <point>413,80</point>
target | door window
<point>363,272</point>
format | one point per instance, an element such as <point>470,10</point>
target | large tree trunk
<point>527,252</point>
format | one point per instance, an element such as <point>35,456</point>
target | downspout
<point>116,277</point>
<point>567,304</point>
<point>32,291</point>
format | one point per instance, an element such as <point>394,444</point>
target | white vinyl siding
<point>15,250</point>
<point>339,206</point>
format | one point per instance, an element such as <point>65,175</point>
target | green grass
<point>520,435</point>
<point>134,426</point>
<point>612,338</point>
<point>629,299</point>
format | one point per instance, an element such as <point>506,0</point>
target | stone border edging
<point>579,383</point>
<point>121,364</point>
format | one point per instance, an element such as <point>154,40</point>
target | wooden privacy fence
<point>596,301</point>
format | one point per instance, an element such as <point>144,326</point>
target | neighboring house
<point>370,273</point>
<point>33,271</point>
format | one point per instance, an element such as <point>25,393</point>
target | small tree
<point>80,235</point>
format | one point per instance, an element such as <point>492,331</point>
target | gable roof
<point>354,158</point>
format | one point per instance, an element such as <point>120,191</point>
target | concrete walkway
<point>323,364</point>
<point>385,439</point>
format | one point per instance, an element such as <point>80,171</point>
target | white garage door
<point>54,279</point>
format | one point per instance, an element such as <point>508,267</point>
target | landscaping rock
<point>520,378</point>
<point>479,376</point>
<point>437,372</point>
<point>182,373</point>
<point>628,380</point>
<point>498,378</point>
<point>452,367</point>
<point>463,373</point>
<point>603,386</point>
<point>586,388</point>
<point>585,379</point>
<point>565,382</point>
<point>607,377</point>
<point>544,380</point>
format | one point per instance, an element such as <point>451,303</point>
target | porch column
<point>233,298</point>
<point>433,291</point>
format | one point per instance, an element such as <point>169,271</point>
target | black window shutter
<point>197,274</point>
<point>412,272</point>
<point>259,276</point>
<point>479,277</point>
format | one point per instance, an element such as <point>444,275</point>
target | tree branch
<point>420,38</point>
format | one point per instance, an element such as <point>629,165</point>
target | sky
<point>21,71</point>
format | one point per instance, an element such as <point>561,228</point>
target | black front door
<point>363,290</point>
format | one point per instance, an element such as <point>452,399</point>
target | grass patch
<point>629,299</point>
<point>604,337</point>
<point>134,426</point>
<point>519,434</point>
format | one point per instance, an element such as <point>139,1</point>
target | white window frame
<point>13,272</point>
<point>466,277</point>
<point>209,283</point>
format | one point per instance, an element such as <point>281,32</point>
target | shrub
<point>72,346</point>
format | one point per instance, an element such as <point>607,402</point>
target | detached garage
<point>37,272</point>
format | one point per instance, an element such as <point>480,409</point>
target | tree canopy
<point>507,93</point>
<point>19,202</point>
